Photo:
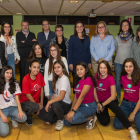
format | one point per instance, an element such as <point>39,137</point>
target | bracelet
<point>97,102</point>
<point>73,110</point>
<point>102,104</point>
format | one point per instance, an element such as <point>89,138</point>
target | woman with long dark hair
<point>37,52</point>
<point>60,102</point>
<point>78,48</point>
<point>9,101</point>
<point>106,92</point>
<point>130,80</point>
<point>123,44</point>
<point>10,42</point>
<point>135,50</point>
<point>83,106</point>
<point>54,55</point>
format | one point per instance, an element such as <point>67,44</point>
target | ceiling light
<point>18,13</point>
<point>111,13</point>
<point>66,13</point>
<point>137,3</point>
<point>72,1</point>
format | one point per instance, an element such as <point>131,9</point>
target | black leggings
<point>104,118</point>
<point>56,112</point>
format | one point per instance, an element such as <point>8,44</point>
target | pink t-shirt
<point>89,98</point>
<point>131,92</point>
<point>103,87</point>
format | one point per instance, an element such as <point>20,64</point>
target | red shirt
<point>32,87</point>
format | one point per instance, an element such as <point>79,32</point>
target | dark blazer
<point>78,52</point>
<point>2,53</point>
<point>24,49</point>
<point>41,38</point>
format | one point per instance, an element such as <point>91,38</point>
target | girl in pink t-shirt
<point>9,101</point>
<point>84,105</point>
<point>106,92</point>
<point>130,80</point>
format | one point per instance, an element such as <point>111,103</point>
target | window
<point>6,18</point>
<point>137,20</point>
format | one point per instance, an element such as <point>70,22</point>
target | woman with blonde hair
<point>102,46</point>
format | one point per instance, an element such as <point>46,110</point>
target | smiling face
<point>25,26</point>
<point>38,50</point>
<point>59,32</point>
<point>103,69</point>
<point>79,27</point>
<point>80,71</point>
<point>7,28</point>
<point>58,69</point>
<point>101,28</point>
<point>45,26</point>
<point>129,67</point>
<point>35,68</point>
<point>53,52</point>
<point>8,75</point>
<point>125,27</point>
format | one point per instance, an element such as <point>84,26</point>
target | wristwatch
<point>73,110</point>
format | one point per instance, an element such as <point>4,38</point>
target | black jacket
<point>2,53</point>
<point>24,49</point>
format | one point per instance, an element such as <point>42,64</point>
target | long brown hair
<point>109,72</point>
<point>136,72</point>
<point>51,58</point>
<point>137,36</point>
<point>55,76</point>
<point>32,55</point>
<point>106,29</point>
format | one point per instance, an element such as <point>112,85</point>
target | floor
<point>40,131</point>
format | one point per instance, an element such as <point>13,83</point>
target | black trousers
<point>22,65</point>
<point>56,112</point>
<point>104,117</point>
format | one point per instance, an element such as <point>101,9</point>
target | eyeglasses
<point>53,50</point>
<point>58,30</point>
<point>6,26</point>
<point>101,27</point>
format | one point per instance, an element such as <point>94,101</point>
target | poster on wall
<point>129,19</point>
<point>17,30</point>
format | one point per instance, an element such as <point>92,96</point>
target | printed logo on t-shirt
<point>129,85</point>
<point>36,87</point>
<point>6,98</point>
<point>100,85</point>
<point>77,86</point>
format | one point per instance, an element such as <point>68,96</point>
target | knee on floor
<point>4,133</point>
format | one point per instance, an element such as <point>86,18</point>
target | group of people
<point>44,65</point>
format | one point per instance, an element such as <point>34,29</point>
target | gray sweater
<point>135,52</point>
<point>123,49</point>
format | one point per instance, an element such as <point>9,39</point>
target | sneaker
<point>91,123</point>
<point>28,124</point>
<point>133,135</point>
<point>14,123</point>
<point>59,125</point>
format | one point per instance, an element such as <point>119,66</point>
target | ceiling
<point>59,7</point>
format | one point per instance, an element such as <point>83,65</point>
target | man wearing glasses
<point>45,37</point>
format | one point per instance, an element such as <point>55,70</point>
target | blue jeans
<point>50,90</point>
<point>11,111</point>
<point>82,114</point>
<point>128,108</point>
<point>11,62</point>
<point>118,70</point>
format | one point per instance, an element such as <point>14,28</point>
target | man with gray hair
<point>25,40</point>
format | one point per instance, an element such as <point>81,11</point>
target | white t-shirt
<point>63,83</point>
<point>7,99</point>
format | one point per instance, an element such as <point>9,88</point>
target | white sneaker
<point>133,135</point>
<point>91,123</point>
<point>14,123</point>
<point>59,125</point>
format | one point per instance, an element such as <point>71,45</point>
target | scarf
<point>125,37</point>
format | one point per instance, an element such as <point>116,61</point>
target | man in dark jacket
<point>25,41</point>
<point>45,37</point>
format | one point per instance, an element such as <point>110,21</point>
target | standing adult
<point>79,47</point>
<point>25,40</point>
<point>45,36</point>
<point>102,46</point>
<point>60,40</point>
<point>10,42</point>
<point>135,50</point>
<point>123,43</point>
